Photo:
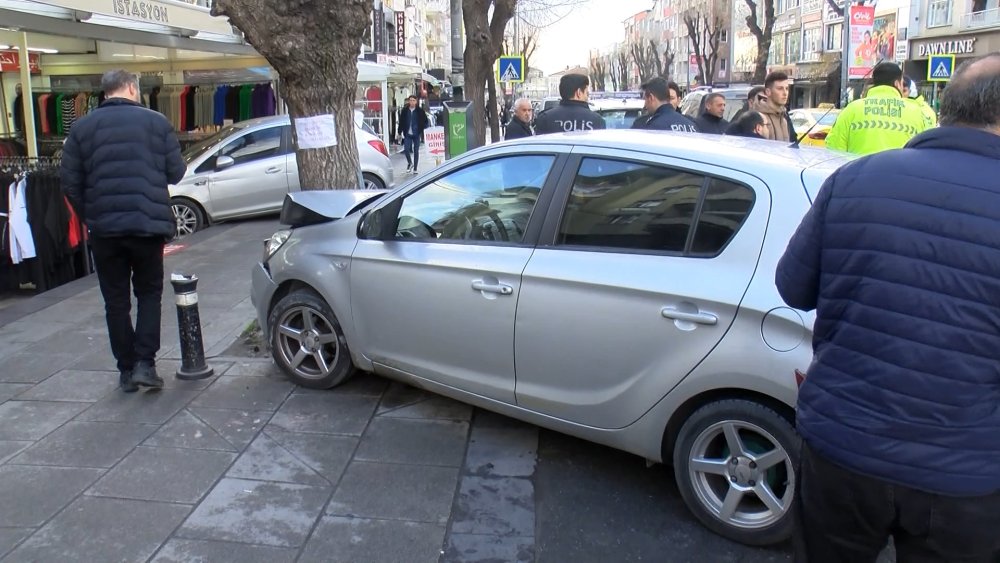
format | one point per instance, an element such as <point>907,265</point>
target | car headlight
<point>275,242</point>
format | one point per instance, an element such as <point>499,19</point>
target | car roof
<point>741,153</point>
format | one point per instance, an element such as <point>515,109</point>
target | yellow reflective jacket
<point>881,121</point>
<point>928,112</point>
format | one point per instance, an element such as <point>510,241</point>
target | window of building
<point>812,44</point>
<point>793,48</point>
<point>723,66</point>
<point>810,6</point>
<point>835,37</point>
<point>724,36</point>
<point>777,56</point>
<point>939,13</point>
<point>616,204</point>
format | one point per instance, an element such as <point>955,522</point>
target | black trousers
<point>847,517</point>
<point>137,262</point>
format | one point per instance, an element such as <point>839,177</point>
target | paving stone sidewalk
<point>243,466</point>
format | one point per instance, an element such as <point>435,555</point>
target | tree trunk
<point>491,100</point>
<point>313,46</point>
<point>483,39</point>
<point>762,34</point>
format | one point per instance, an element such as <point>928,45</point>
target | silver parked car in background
<point>617,286</point>
<point>247,169</point>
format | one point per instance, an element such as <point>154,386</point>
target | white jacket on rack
<point>22,243</point>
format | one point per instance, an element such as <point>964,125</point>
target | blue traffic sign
<point>510,68</point>
<point>940,68</point>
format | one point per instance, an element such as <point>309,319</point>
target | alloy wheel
<point>187,219</point>
<point>307,342</point>
<point>742,474</point>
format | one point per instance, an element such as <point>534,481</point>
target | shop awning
<point>372,72</point>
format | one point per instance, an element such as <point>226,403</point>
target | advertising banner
<point>863,47</point>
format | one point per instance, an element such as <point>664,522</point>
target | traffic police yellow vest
<point>881,121</point>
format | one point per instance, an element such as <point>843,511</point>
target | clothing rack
<point>60,252</point>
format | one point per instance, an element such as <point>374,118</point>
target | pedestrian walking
<point>412,122</point>
<point>771,104</point>
<point>711,121</point>
<point>117,163</point>
<point>573,112</point>
<point>662,114</point>
<point>751,124</point>
<point>900,409</point>
<point>520,121</point>
<point>881,120</point>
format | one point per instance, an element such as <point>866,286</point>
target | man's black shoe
<point>126,383</point>
<point>144,375</point>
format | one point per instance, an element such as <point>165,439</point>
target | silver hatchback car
<point>617,286</point>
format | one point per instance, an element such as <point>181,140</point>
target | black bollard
<point>193,364</point>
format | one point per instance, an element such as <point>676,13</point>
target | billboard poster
<point>863,46</point>
<point>884,35</point>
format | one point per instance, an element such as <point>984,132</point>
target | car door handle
<point>501,288</point>
<point>700,318</point>
<point>273,170</point>
<point>201,182</point>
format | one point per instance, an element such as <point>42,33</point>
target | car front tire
<point>307,341</point>
<point>734,462</point>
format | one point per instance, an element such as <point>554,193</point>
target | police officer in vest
<point>573,112</point>
<point>880,121</point>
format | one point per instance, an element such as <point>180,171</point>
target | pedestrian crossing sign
<point>510,68</point>
<point>940,68</point>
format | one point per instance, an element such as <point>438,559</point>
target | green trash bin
<point>456,138</point>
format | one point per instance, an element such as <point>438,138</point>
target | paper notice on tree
<point>435,140</point>
<point>315,132</point>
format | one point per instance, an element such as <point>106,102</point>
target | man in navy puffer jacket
<point>116,165</point>
<point>900,410</point>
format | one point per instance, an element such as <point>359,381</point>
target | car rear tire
<point>373,182</point>
<point>188,216</point>
<point>307,341</point>
<point>734,462</point>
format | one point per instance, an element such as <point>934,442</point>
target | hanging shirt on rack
<point>246,102</point>
<point>219,105</point>
<point>22,244</point>
<point>68,112</point>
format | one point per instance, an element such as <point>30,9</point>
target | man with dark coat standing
<point>900,409</point>
<point>661,114</point>
<point>117,163</point>
<point>412,122</point>
<point>520,124</point>
<point>710,120</point>
<point>573,112</point>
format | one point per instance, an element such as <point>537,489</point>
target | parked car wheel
<point>735,462</point>
<point>188,215</point>
<point>373,182</point>
<point>307,341</point>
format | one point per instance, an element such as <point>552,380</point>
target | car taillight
<point>379,146</point>
<point>818,135</point>
<point>799,378</point>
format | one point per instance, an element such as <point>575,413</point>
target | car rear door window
<point>649,208</point>
<point>487,201</point>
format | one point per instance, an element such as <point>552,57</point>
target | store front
<point>965,47</point>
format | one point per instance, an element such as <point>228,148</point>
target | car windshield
<point>619,118</point>
<point>199,148</point>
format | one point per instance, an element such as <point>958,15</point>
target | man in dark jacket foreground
<point>573,112</point>
<point>116,165</point>
<point>900,409</point>
<point>662,115</point>
<point>710,120</point>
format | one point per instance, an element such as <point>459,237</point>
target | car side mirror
<point>223,162</point>
<point>372,225</point>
